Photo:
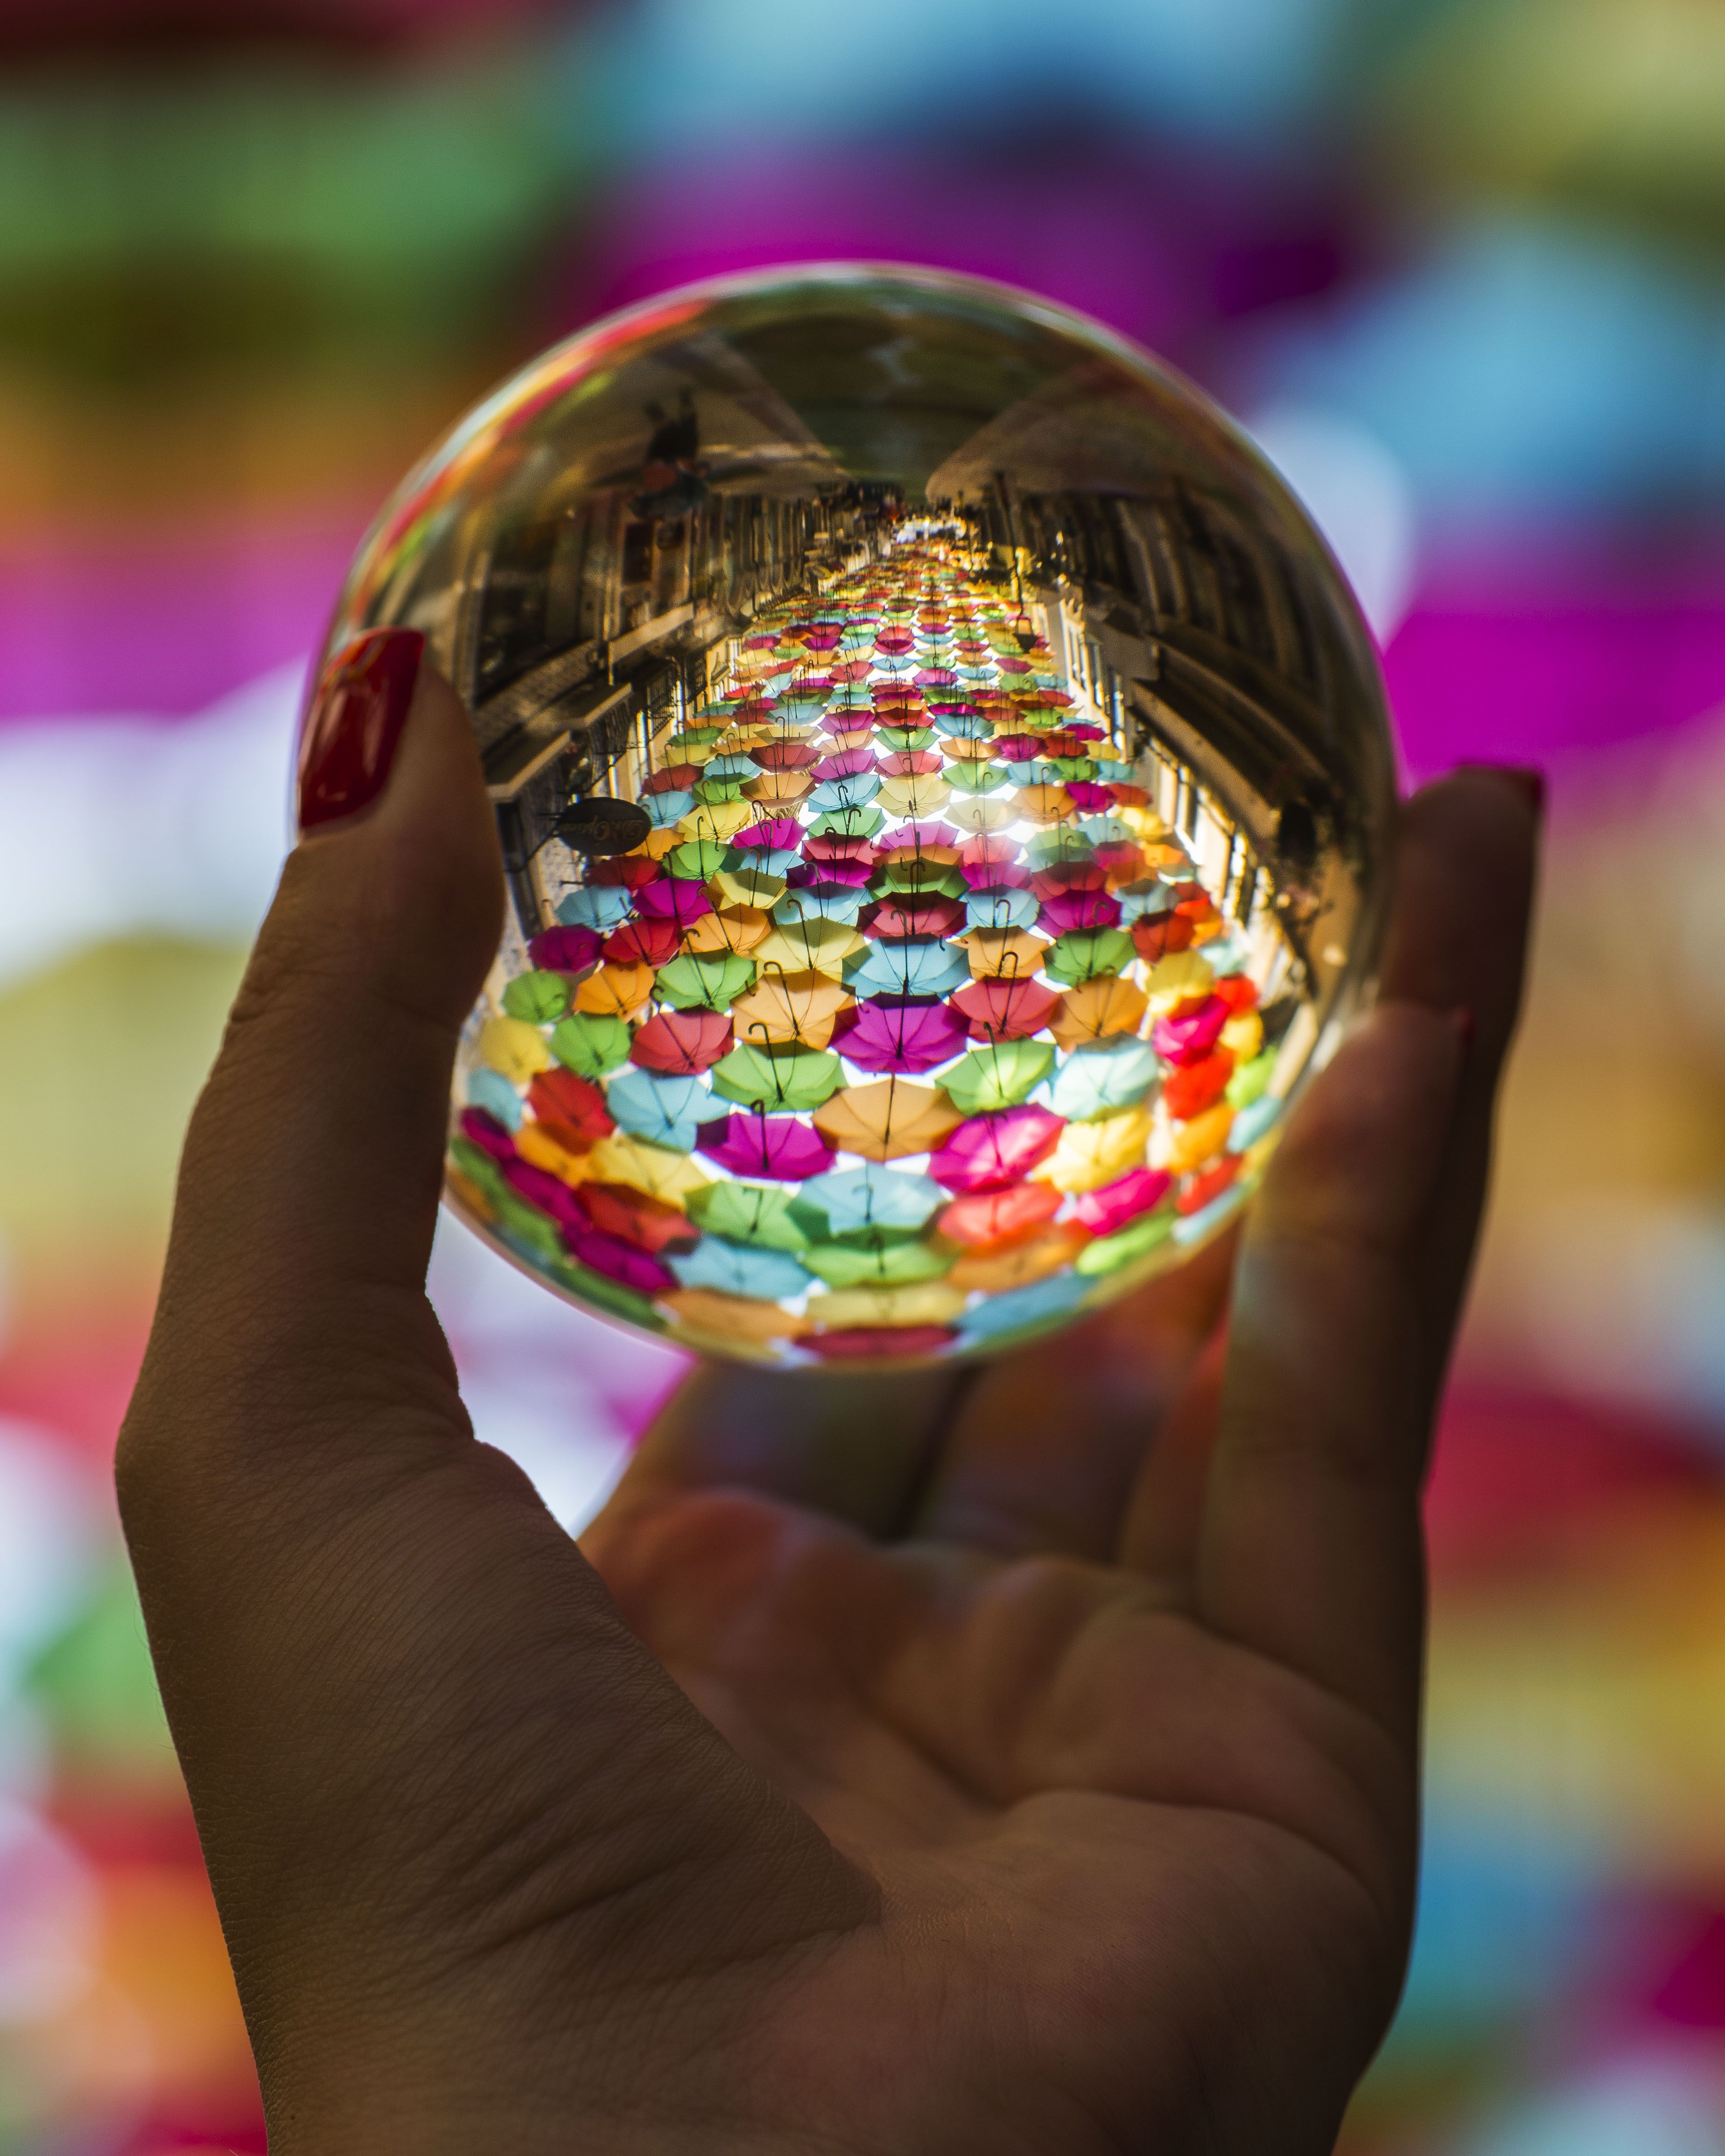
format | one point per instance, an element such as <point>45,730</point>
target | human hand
<point>1021,1761</point>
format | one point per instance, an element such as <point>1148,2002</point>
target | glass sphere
<point>946,797</point>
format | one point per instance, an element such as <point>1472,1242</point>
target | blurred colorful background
<point>1459,264</point>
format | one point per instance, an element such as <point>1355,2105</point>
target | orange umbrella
<point>887,1120</point>
<point>1107,1003</point>
<point>782,1008</point>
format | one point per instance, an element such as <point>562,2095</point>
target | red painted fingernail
<point>355,723</point>
<point>1526,779</point>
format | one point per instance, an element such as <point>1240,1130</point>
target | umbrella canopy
<point>780,1147</point>
<point>999,1075</point>
<point>889,1120</point>
<point>903,1036</point>
<point>682,1041</point>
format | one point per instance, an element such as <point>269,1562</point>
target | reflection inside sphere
<point>943,788</point>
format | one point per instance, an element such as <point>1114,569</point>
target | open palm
<point>1020,1761</point>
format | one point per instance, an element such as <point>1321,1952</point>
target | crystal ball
<point>945,792</point>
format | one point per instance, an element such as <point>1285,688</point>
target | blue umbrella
<point>1098,1080</point>
<point>739,1269</point>
<point>665,1110</point>
<point>873,1196</point>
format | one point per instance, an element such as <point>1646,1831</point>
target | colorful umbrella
<point>1193,1034</point>
<point>590,1043</point>
<point>1106,1004</point>
<point>756,1213</point>
<point>538,997</point>
<point>793,1078</point>
<point>706,981</point>
<point>1006,1008</point>
<point>665,1110</point>
<point>650,1224</point>
<point>988,1218</point>
<point>565,950</point>
<point>779,1146</point>
<point>873,1196</point>
<point>908,968</point>
<point>889,1120</point>
<point>740,1269</point>
<point>999,1075</point>
<point>784,1007</point>
<point>1105,1210</point>
<point>1101,1079</point>
<point>682,1041</point>
<point>910,1036</point>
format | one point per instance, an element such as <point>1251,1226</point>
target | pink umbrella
<point>847,763</point>
<point>679,899</point>
<point>987,1152</point>
<point>996,875</point>
<point>617,1259</point>
<point>853,874</point>
<point>680,1043</point>
<point>485,1131</point>
<point>1191,1034</point>
<point>935,677</point>
<point>1086,794</point>
<point>987,846</point>
<point>783,1148</point>
<point>1138,1191</point>
<point>916,838</point>
<point>902,1035</point>
<point>1078,909</point>
<point>910,763</point>
<point>878,1342</point>
<point>1017,748</point>
<point>1001,1008</point>
<point>544,1190</point>
<point>565,950</point>
<point>779,833</point>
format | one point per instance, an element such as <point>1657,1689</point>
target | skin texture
<point>1025,1761</point>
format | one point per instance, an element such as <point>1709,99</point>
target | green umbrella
<point>538,998</point>
<point>794,1079</point>
<point>757,1212</point>
<point>1081,953</point>
<point>998,1077</point>
<point>710,980</point>
<point>591,1043</point>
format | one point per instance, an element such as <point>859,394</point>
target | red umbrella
<point>1003,1008</point>
<point>642,943</point>
<point>784,756</point>
<point>782,1147</point>
<point>1158,936</point>
<point>488,1133</point>
<point>680,1043</point>
<point>913,913</point>
<point>650,1224</point>
<point>1204,1188</point>
<point>558,1095</point>
<point>911,763</point>
<point>672,778</point>
<point>996,1216</point>
<point>902,1035</point>
<point>1192,1087</point>
<point>988,1152</point>
<point>633,869</point>
<point>847,763</point>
